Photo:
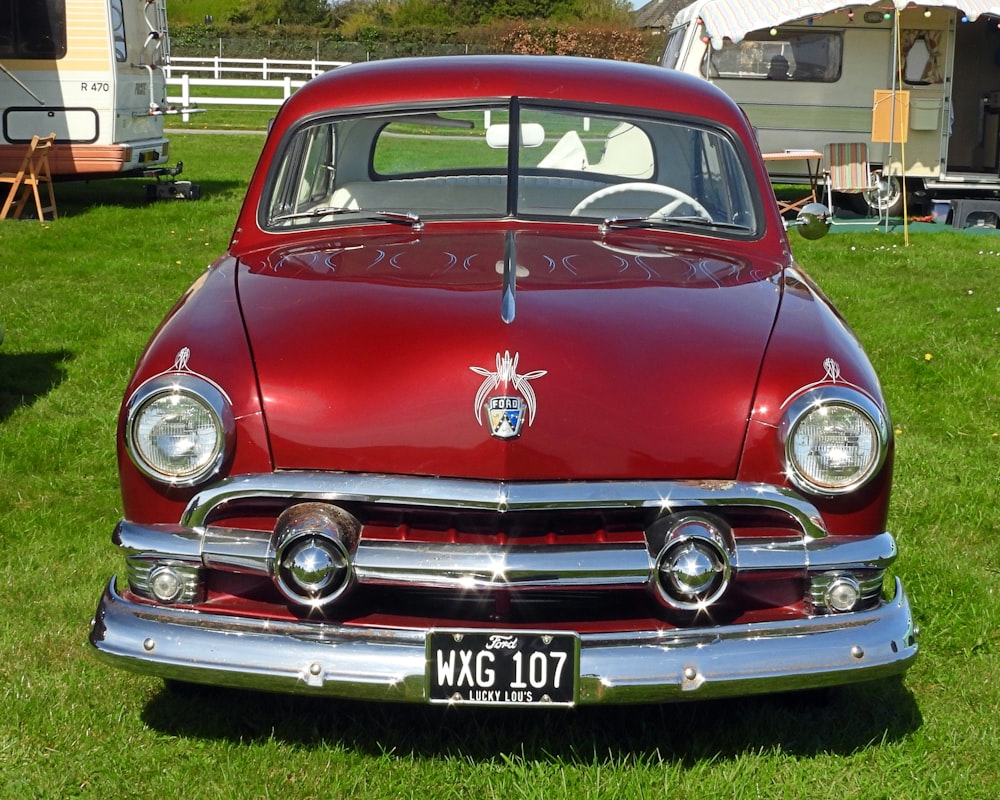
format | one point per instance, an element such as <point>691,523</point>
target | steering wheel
<point>680,198</point>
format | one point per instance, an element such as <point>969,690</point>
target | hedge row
<point>302,42</point>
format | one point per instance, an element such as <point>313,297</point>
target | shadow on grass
<point>24,377</point>
<point>837,721</point>
<point>75,198</point>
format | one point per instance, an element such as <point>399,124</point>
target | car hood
<point>509,356</point>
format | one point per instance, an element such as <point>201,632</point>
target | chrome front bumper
<point>388,664</point>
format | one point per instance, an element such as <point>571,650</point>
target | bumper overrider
<point>852,630</point>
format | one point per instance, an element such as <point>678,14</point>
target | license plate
<point>502,668</point>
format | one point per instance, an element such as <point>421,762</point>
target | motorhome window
<point>32,29</point>
<point>789,54</point>
<point>675,38</point>
<point>118,31</point>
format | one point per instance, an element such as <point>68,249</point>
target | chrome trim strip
<point>388,664</point>
<point>464,567</point>
<point>501,496</point>
<point>855,552</point>
<point>159,541</point>
<point>479,566</point>
<point>238,550</point>
<point>838,552</point>
<point>508,305</point>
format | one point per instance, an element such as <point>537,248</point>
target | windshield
<point>531,160</point>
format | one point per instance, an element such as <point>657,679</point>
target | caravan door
<point>973,130</point>
<point>922,69</point>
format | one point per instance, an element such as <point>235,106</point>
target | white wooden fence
<point>286,75</point>
<point>264,69</point>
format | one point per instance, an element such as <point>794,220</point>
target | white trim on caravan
<point>90,72</point>
<point>811,74</point>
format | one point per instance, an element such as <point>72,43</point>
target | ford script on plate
<point>502,668</point>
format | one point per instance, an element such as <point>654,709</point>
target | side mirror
<point>812,222</point>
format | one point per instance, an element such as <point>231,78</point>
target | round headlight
<point>835,440</point>
<point>178,429</point>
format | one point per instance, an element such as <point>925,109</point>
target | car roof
<point>556,78</point>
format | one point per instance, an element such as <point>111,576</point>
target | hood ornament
<point>505,411</point>
<point>181,359</point>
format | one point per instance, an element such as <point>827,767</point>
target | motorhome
<point>88,71</point>
<point>918,83</point>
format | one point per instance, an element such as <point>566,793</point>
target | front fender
<point>203,335</point>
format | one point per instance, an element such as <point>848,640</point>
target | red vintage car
<point>507,391</point>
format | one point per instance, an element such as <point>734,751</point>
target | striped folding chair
<point>846,170</point>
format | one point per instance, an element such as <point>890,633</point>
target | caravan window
<point>675,38</point>
<point>791,54</point>
<point>32,29</point>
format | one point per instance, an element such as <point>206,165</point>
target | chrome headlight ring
<point>179,429</point>
<point>835,439</point>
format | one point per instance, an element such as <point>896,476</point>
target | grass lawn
<point>80,296</point>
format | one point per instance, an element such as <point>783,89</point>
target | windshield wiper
<point>322,211</point>
<point>612,223</point>
<point>406,217</point>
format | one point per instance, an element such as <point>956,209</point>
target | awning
<point>734,19</point>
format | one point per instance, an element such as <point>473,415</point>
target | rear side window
<point>33,29</point>
<point>790,54</point>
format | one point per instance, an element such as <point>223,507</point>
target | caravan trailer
<point>921,86</point>
<point>90,73</point>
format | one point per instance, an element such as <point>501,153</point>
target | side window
<point>306,173</point>
<point>790,54</point>
<point>721,181</point>
<point>33,29</point>
<point>673,47</point>
<point>318,173</point>
<point>118,31</point>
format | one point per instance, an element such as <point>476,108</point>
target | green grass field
<point>80,296</point>
<point>193,12</point>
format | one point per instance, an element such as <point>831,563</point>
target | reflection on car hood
<point>412,354</point>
